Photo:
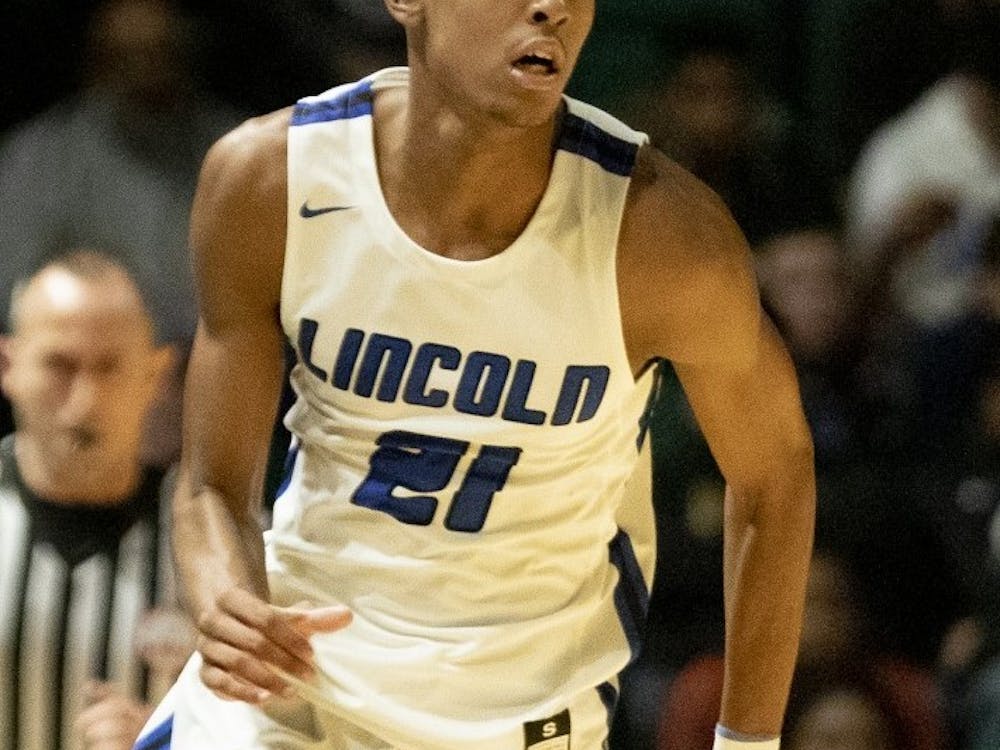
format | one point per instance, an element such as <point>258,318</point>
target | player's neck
<point>454,181</point>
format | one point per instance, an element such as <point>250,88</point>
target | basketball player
<point>83,565</point>
<point>477,275</point>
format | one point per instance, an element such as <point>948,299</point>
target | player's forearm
<point>216,548</point>
<point>768,546</point>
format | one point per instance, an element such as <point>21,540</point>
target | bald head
<point>81,283</point>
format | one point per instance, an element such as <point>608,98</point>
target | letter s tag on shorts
<point>548,734</point>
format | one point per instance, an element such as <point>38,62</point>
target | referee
<point>86,627</point>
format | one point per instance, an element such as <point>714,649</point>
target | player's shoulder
<point>673,215</point>
<point>243,178</point>
<point>258,134</point>
<point>685,274</point>
<point>239,212</point>
<point>251,154</point>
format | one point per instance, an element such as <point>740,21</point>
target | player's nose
<point>549,12</point>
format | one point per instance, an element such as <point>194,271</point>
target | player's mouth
<point>538,64</point>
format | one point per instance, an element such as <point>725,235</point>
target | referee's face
<point>82,370</point>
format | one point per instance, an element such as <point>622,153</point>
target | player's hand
<point>110,721</point>
<point>246,644</point>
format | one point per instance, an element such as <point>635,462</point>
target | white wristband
<point>726,739</point>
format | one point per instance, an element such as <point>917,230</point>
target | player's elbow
<point>781,487</point>
<point>796,450</point>
<point>793,468</point>
<point>790,498</point>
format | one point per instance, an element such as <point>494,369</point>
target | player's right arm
<point>230,404</point>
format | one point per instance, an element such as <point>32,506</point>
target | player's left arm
<point>689,294</point>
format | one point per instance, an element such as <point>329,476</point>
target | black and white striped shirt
<point>75,583</point>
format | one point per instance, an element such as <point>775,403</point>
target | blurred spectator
<point>839,649</point>
<point>879,386</point>
<point>807,289</point>
<point>709,115</point>
<point>844,717</point>
<point>969,483</point>
<point>365,40</point>
<point>867,60</point>
<point>936,162</point>
<point>954,347</point>
<point>866,422</point>
<point>89,627</point>
<point>980,717</point>
<point>311,45</point>
<point>972,527</point>
<point>115,167</point>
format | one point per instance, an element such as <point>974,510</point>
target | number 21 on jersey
<point>424,464</point>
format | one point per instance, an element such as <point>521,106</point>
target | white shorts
<point>191,717</point>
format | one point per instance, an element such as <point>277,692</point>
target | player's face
<point>507,58</point>
<point>81,372</point>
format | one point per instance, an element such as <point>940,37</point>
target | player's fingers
<point>245,667</point>
<point>320,620</point>
<point>220,626</point>
<point>269,620</point>
<point>229,687</point>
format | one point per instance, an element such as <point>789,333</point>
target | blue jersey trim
<point>158,738</point>
<point>578,135</point>
<point>353,102</point>
<point>581,136</point>
<point>651,403</point>
<point>608,694</point>
<point>631,594</point>
<point>287,469</point>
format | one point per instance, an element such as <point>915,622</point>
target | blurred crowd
<point>857,143</point>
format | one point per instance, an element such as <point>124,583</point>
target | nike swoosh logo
<point>307,213</point>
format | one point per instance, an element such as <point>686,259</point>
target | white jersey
<point>465,435</point>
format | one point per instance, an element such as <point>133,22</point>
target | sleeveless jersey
<point>465,436</point>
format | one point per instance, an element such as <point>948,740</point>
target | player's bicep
<point>230,406</point>
<point>751,415</point>
<point>234,377</point>
<point>238,230</point>
<point>686,281</point>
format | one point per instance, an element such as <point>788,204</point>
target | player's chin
<point>531,111</point>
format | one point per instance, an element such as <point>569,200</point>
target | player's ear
<point>406,12</point>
